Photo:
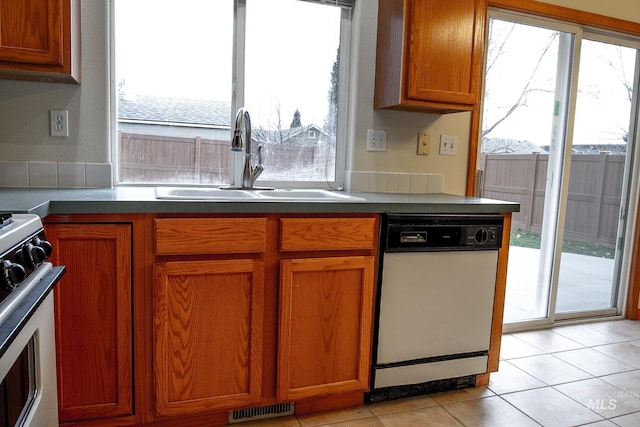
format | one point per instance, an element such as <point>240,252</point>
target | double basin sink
<point>253,195</point>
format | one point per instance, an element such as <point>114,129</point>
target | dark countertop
<point>142,200</point>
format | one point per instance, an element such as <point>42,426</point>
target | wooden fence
<point>595,189</point>
<point>169,159</point>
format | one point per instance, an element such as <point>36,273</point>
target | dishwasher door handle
<point>413,237</point>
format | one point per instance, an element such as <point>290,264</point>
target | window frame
<point>237,95</point>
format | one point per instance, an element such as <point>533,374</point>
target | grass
<point>528,239</point>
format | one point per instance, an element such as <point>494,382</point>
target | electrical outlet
<point>376,140</point>
<point>59,122</point>
<point>424,143</point>
<point>448,145</point>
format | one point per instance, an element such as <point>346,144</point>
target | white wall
<point>24,106</point>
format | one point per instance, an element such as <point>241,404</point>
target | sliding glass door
<point>558,137</point>
<point>589,271</point>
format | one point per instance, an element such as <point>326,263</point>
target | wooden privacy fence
<point>595,189</point>
<point>169,159</point>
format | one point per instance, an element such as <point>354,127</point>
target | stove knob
<point>12,274</point>
<point>45,245</point>
<point>31,256</point>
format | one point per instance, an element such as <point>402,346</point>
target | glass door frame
<point>559,172</point>
<point>630,189</point>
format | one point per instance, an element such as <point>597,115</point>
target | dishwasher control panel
<point>415,233</point>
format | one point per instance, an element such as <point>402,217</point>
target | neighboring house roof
<point>285,135</point>
<point>510,146</point>
<point>154,109</point>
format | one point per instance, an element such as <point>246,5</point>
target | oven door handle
<point>29,296</point>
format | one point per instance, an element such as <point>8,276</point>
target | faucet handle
<point>257,170</point>
<point>260,154</point>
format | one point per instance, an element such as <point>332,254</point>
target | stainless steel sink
<point>253,195</point>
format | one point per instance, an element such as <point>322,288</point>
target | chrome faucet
<point>242,140</point>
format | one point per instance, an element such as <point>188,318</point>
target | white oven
<point>28,389</point>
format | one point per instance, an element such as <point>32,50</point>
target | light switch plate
<point>448,145</point>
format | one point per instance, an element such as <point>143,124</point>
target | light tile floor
<point>567,376</point>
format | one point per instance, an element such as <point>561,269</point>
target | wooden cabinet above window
<point>39,40</point>
<point>429,55</point>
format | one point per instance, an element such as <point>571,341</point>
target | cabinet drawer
<point>327,234</point>
<point>195,236</point>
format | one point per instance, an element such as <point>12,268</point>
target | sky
<point>602,113</point>
<point>184,48</point>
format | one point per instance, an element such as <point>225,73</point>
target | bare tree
<point>499,109</point>
<point>275,133</point>
<point>496,48</point>
<point>616,63</point>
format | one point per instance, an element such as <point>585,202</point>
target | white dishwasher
<point>435,303</point>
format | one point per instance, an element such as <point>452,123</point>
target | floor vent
<point>262,412</point>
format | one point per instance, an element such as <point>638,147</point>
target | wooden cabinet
<point>325,326</point>
<point>39,40</point>
<point>429,54</point>
<point>93,310</point>
<point>208,348</point>
<point>326,307</point>
<point>226,313</point>
<point>261,310</point>
<point>208,314</point>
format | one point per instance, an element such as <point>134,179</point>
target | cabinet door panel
<point>429,54</point>
<point>442,51</point>
<point>93,320</point>
<point>208,335</point>
<point>325,326</point>
<point>31,31</point>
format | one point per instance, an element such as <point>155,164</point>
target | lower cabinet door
<point>326,308</point>
<point>93,313</point>
<point>208,318</point>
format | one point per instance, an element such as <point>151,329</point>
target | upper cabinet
<point>429,55</point>
<point>39,40</point>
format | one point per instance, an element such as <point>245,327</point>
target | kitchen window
<point>182,68</point>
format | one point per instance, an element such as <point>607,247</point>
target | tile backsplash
<point>55,174</point>
<point>393,182</point>
<point>99,175</point>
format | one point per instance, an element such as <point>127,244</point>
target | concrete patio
<point>585,283</point>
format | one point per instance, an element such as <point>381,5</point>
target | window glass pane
<point>173,74</point>
<point>566,163</point>
<point>173,71</point>
<point>518,130</point>
<point>291,85</point>
<point>598,165</point>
